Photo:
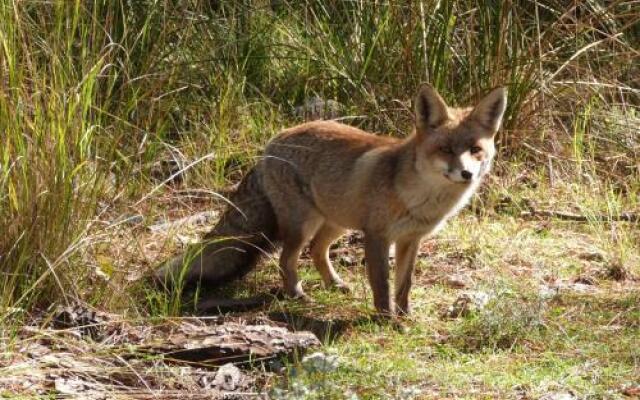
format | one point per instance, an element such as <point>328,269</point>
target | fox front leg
<point>376,252</point>
<point>406,250</point>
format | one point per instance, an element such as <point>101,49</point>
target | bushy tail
<point>246,231</point>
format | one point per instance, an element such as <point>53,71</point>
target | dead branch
<point>624,217</point>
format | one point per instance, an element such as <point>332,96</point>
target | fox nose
<point>466,175</point>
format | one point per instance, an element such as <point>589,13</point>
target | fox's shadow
<point>326,329</point>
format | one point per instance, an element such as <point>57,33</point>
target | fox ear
<point>430,108</point>
<point>491,108</point>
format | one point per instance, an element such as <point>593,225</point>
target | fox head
<point>456,145</point>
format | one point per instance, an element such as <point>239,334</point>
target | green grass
<point>585,343</point>
<point>96,96</point>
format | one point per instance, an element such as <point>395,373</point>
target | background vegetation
<point>98,98</point>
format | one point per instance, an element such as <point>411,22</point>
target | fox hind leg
<point>320,244</point>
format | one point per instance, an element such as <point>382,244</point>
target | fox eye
<point>446,150</point>
<point>475,149</point>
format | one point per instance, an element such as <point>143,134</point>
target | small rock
<point>206,381</point>
<point>349,395</point>
<point>521,392</point>
<point>559,396</point>
<point>409,393</point>
<point>585,280</point>
<point>50,360</point>
<point>467,303</point>
<point>35,350</point>
<point>70,386</point>
<point>320,362</point>
<point>593,256</point>
<point>79,318</point>
<point>580,287</point>
<point>204,218</point>
<point>547,292</point>
<point>456,281</point>
<point>227,377</point>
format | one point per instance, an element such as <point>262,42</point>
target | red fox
<point>319,179</point>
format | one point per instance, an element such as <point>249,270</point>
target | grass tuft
<point>508,320</point>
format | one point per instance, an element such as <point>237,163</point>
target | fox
<point>320,179</point>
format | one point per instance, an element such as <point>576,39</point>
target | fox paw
<point>403,311</point>
<point>394,322</point>
<point>341,287</point>
<point>301,297</point>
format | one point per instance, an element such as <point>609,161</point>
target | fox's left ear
<point>490,110</point>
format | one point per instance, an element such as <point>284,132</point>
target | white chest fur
<point>429,208</point>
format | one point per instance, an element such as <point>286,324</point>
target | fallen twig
<point>626,217</point>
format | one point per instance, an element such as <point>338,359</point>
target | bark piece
<point>231,343</point>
